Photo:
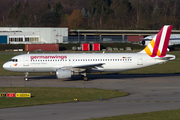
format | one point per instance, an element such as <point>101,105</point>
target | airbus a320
<point>70,64</point>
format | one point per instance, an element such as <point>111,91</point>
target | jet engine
<point>143,42</point>
<point>63,73</point>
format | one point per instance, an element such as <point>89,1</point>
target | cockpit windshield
<point>14,60</point>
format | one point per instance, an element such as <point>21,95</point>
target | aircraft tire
<point>26,79</point>
<point>85,78</point>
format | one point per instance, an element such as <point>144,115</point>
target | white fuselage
<point>112,62</point>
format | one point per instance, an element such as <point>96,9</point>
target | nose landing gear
<point>26,76</point>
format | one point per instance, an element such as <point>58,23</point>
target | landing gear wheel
<point>26,79</point>
<point>26,76</point>
<point>85,78</point>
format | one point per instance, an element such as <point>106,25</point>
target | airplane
<point>66,65</point>
<point>174,40</point>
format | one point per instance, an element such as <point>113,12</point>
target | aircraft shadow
<point>92,77</point>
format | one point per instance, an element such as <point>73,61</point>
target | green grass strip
<point>160,115</point>
<point>45,95</point>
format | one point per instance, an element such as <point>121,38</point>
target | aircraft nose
<point>5,66</point>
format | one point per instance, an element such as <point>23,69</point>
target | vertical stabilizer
<point>158,45</point>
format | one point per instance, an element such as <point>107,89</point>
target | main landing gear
<point>26,76</point>
<point>84,77</point>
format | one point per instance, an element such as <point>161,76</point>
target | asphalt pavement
<point>147,93</point>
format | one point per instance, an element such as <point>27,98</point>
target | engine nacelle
<point>143,42</point>
<point>63,73</point>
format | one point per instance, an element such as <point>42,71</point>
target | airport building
<point>30,35</point>
<point>45,35</point>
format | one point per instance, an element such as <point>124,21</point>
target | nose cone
<point>5,66</point>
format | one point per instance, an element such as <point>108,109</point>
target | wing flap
<point>84,67</point>
<point>87,66</point>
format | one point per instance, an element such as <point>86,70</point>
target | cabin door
<point>139,60</point>
<point>26,61</point>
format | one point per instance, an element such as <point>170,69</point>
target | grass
<point>44,95</point>
<point>160,115</point>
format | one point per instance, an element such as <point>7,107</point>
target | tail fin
<point>158,45</point>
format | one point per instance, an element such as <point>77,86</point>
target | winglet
<point>158,45</point>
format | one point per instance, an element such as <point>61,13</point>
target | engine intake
<point>143,42</point>
<point>63,73</point>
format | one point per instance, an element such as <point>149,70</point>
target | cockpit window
<point>14,60</point>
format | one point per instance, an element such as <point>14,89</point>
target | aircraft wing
<point>84,67</point>
<point>88,66</point>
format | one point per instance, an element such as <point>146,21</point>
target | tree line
<point>90,14</point>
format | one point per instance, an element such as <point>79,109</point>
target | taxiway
<point>147,93</point>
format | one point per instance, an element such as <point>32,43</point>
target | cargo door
<point>139,60</point>
<point>26,60</point>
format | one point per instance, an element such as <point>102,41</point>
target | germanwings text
<point>48,57</point>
